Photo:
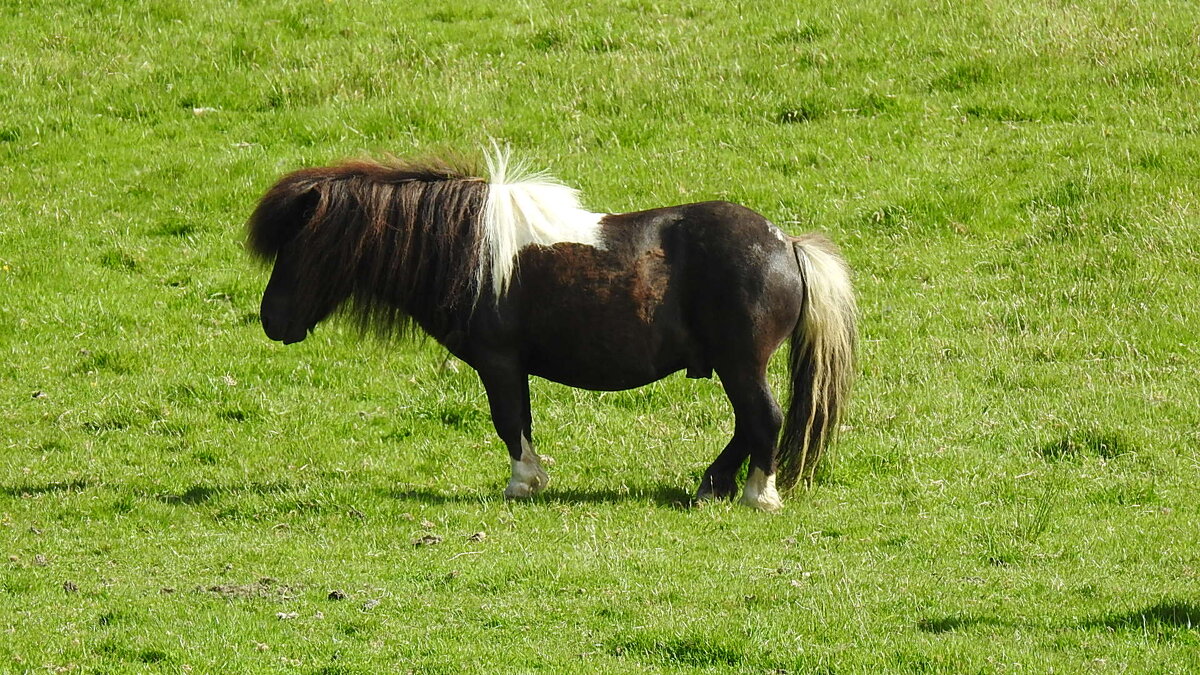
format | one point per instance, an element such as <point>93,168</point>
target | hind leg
<point>757,419</point>
<point>720,480</point>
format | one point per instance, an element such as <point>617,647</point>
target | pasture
<point>1015,186</point>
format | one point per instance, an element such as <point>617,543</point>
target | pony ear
<point>282,213</point>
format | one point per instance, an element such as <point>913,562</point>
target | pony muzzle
<point>286,332</point>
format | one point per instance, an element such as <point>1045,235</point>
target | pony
<point>514,277</point>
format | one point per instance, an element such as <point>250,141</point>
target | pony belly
<point>613,377</point>
<point>602,352</point>
<point>604,356</point>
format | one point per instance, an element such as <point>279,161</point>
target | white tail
<point>822,359</point>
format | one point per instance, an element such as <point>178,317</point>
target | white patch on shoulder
<point>527,208</point>
<point>528,476</point>
<point>760,491</point>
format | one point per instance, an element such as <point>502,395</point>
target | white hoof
<point>760,492</point>
<point>528,476</point>
<point>522,490</point>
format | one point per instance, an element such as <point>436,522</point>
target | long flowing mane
<point>403,239</point>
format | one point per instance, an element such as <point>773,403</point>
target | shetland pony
<point>515,278</point>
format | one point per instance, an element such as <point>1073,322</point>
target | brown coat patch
<point>649,283</point>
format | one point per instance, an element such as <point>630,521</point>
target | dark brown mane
<point>408,233</point>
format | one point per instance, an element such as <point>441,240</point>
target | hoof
<point>528,480</point>
<point>525,490</point>
<point>712,489</point>
<point>519,492</point>
<point>764,502</point>
<point>760,492</point>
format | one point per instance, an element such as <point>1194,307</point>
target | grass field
<point>1015,185</point>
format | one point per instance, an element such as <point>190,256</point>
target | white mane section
<point>527,208</point>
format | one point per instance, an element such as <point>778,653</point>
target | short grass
<point>1015,185</point>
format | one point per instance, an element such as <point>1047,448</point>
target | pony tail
<point>821,363</point>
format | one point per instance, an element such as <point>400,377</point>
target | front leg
<point>508,396</point>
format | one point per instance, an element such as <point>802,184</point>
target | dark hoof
<point>712,489</point>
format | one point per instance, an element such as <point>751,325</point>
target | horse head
<point>294,303</point>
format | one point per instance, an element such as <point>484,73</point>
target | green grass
<point>1014,184</point>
